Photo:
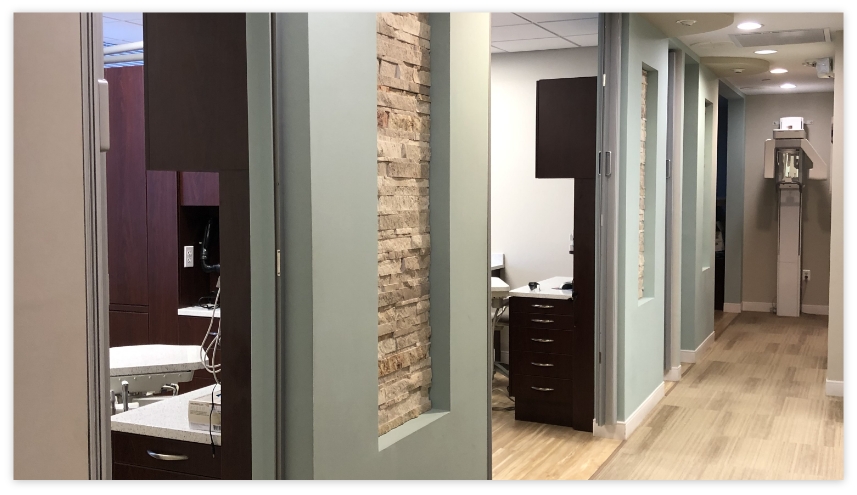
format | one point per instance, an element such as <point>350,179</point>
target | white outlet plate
<point>188,256</point>
<point>805,275</point>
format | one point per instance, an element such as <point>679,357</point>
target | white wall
<point>531,219</point>
<point>50,392</point>
<point>836,323</point>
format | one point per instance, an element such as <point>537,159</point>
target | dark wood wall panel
<point>196,98</point>
<point>584,304</point>
<point>235,307</point>
<point>128,328</point>
<point>126,189</point>
<point>193,282</point>
<point>566,124</point>
<point>164,257</point>
<point>200,189</point>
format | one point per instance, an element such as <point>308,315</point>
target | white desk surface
<point>198,311</point>
<point>499,288</point>
<point>498,260</point>
<point>165,419</point>
<point>154,358</point>
<point>548,289</point>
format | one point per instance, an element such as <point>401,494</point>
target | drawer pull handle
<point>544,306</point>
<point>544,365</point>
<point>534,320</point>
<point>542,340</point>
<point>542,389</point>
<point>167,457</point>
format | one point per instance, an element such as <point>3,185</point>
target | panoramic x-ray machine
<point>791,160</point>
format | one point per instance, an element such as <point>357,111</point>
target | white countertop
<point>154,358</point>
<point>498,260</point>
<point>198,311</point>
<point>165,419</point>
<point>548,289</point>
<point>499,288</point>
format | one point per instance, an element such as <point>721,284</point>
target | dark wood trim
<point>129,308</point>
<point>163,257</point>
<point>584,304</point>
<point>235,307</point>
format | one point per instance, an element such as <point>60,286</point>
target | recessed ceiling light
<point>787,86</point>
<point>765,52</point>
<point>778,71</point>
<point>749,25</point>
<point>686,22</point>
<point>738,70</point>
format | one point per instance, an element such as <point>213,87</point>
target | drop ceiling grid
<point>519,32</point>
<point>122,27</point>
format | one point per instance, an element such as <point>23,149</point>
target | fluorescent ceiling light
<point>778,71</point>
<point>765,52</point>
<point>749,25</point>
<point>788,86</point>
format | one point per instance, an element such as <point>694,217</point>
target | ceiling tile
<point>124,31</point>
<point>572,28</point>
<point>135,17</point>
<point>584,40</point>
<point>533,45</point>
<point>522,32</point>
<point>494,49</point>
<point>506,19</point>
<point>546,17</point>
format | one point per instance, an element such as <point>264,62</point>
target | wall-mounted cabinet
<point>566,123</point>
<point>200,188</point>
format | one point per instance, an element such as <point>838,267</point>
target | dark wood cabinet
<point>566,124</point>
<point>552,341</point>
<point>200,188</point>
<point>126,189</point>
<point>144,457</point>
<point>128,328</point>
<point>196,91</point>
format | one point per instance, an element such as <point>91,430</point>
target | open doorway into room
<point>544,121</point>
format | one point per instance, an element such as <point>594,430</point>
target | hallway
<point>753,408</point>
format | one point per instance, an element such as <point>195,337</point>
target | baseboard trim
<point>834,388</point>
<point>760,307</point>
<point>731,307</point>
<point>815,309</point>
<point>673,375</point>
<point>696,355</point>
<point>615,432</point>
<point>637,417</point>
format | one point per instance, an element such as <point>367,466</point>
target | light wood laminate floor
<point>753,408</point>
<point>534,451</point>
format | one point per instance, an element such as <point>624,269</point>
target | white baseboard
<point>673,375</point>
<point>814,309</point>
<point>623,429</point>
<point>696,355</point>
<point>616,432</point>
<point>761,307</point>
<point>834,388</point>
<point>731,307</point>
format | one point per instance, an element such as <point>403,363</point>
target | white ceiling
<point>524,32</point>
<point>791,57</point>
<point>122,27</point>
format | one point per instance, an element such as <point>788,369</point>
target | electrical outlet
<point>805,275</point>
<point>188,256</point>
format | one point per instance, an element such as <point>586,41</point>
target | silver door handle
<point>167,457</point>
<point>545,306</point>
<point>544,365</point>
<point>541,321</point>
<point>542,389</point>
<point>542,340</point>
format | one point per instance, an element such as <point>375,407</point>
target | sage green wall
<point>836,321</point>
<point>734,196</point>
<point>329,213</point>
<point>698,193</point>
<point>641,321</point>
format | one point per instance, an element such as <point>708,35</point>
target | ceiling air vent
<point>773,38</point>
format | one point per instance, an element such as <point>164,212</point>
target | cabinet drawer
<point>542,340</point>
<point>541,364</point>
<point>541,306</point>
<point>195,458</point>
<point>558,322</point>
<point>542,389</point>
<point>128,472</point>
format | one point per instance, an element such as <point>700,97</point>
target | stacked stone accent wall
<point>404,245</point>
<point>642,254</point>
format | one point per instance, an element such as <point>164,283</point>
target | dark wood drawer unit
<point>541,364</point>
<point>154,454</point>
<point>557,322</point>
<point>538,306</point>
<point>545,400</point>
<point>128,472</point>
<point>542,340</point>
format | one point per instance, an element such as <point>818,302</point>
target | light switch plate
<point>188,256</point>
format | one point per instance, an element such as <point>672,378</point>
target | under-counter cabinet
<point>140,457</point>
